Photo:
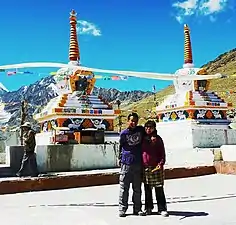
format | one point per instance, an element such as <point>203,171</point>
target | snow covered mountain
<point>3,88</point>
<point>38,94</point>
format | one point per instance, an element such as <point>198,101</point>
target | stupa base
<point>188,134</point>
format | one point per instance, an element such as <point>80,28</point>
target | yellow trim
<point>187,97</point>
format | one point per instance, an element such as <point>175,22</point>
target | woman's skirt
<point>154,179</point>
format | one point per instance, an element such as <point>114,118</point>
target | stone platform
<point>55,181</point>
<point>57,158</point>
<point>188,134</point>
<point>65,158</point>
<point>206,200</point>
<point>180,163</point>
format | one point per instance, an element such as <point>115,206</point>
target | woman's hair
<point>150,123</point>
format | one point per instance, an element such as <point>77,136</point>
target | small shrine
<point>192,99</point>
<point>75,109</point>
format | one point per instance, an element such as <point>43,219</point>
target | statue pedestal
<point>188,134</point>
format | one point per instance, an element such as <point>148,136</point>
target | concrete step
<point>6,171</point>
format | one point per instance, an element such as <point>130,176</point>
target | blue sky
<point>144,35</point>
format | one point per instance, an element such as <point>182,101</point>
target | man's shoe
<point>164,213</point>
<point>18,174</point>
<point>122,214</point>
<point>148,211</point>
<point>139,213</point>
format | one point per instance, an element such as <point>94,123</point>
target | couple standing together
<point>142,158</point>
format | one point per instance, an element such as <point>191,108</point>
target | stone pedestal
<point>187,134</point>
<point>64,158</point>
<point>14,155</point>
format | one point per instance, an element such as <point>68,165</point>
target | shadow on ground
<point>182,214</point>
<point>102,204</point>
<point>187,214</point>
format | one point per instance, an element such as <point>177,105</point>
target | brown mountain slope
<point>224,63</point>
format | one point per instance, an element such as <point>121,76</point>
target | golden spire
<point>188,58</point>
<point>74,54</point>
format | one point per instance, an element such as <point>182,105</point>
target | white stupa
<point>194,116</point>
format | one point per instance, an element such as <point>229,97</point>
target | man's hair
<point>134,115</point>
<point>150,123</point>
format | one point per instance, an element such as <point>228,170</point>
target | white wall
<point>228,152</point>
<point>43,138</point>
<point>213,137</point>
<point>176,135</point>
<point>12,139</point>
<point>94,157</point>
<point>59,158</point>
<point>187,134</point>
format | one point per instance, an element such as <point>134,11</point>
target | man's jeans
<point>130,174</point>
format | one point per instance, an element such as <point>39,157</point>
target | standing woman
<point>153,154</point>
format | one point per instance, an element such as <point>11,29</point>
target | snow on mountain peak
<point>3,87</point>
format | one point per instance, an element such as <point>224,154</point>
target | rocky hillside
<point>224,63</point>
<point>38,94</point>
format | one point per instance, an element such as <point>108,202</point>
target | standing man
<point>29,164</point>
<point>131,165</point>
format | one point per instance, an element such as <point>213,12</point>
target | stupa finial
<point>74,54</point>
<point>188,58</point>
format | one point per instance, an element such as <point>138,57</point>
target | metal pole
<point>23,117</point>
